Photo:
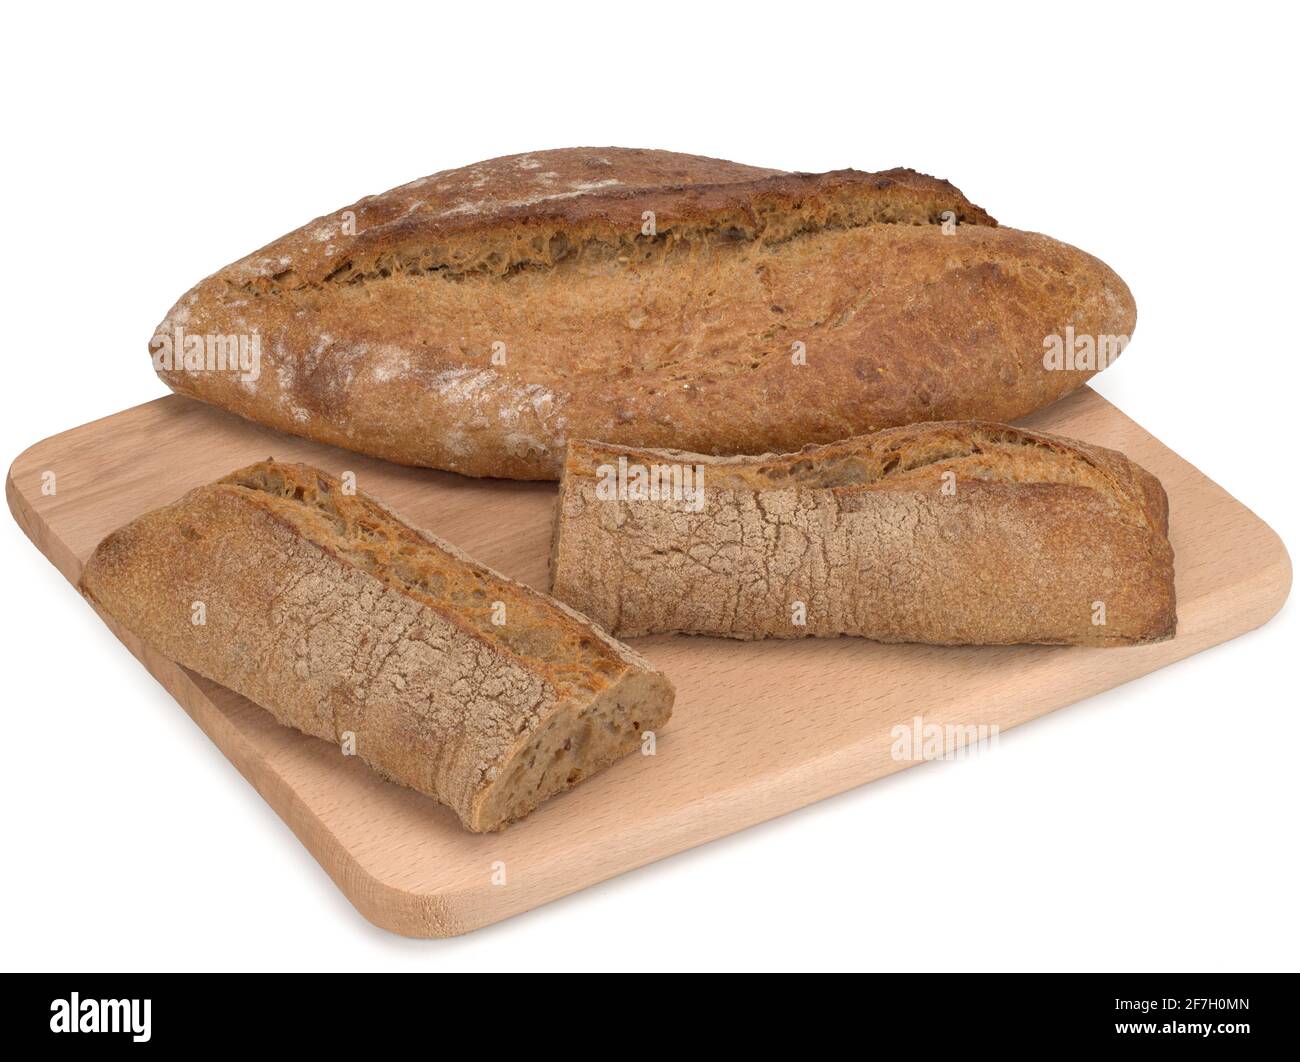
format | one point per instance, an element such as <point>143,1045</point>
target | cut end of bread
<point>577,741</point>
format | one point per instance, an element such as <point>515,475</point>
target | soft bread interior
<point>576,742</point>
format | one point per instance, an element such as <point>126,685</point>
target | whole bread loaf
<point>476,319</point>
<point>949,533</point>
<point>342,621</point>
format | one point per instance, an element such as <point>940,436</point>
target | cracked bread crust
<point>337,617</point>
<point>955,533</point>
<point>382,326</point>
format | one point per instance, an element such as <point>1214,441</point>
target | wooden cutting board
<point>760,728</point>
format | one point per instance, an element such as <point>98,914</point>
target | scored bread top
<point>549,202</point>
<point>914,457</point>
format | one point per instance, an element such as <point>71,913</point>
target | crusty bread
<point>948,533</point>
<point>338,618</point>
<point>475,319</point>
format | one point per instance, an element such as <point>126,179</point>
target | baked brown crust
<point>946,533</point>
<point>337,617</point>
<point>384,341</point>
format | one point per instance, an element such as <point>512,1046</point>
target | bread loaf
<point>949,533</point>
<point>477,318</point>
<point>339,619</point>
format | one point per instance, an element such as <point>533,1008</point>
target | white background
<point>1150,828</point>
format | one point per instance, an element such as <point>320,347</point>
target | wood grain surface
<point>760,728</point>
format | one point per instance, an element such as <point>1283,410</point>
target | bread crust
<point>947,533</point>
<point>337,617</point>
<point>382,327</point>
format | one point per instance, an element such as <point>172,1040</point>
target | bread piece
<point>951,533</point>
<point>337,617</point>
<point>476,319</point>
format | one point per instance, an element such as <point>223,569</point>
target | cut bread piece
<point>949,533</point>
<point>341,620</point>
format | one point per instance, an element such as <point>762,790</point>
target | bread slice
<point>476,319</point>
<point>339,619</point>
<point>949,533</point>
